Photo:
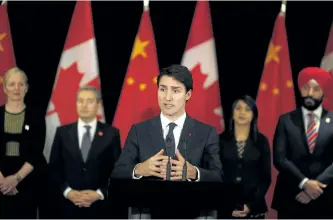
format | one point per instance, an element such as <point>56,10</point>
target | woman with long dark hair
<point>246,159</point>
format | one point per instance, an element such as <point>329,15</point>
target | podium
<point>173,199</point>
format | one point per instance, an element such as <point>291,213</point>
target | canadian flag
<point>200,58</point>
<point>78,67</point>
<point>327,64</point>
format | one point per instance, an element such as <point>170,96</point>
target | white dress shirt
<point>317,113</point>
<point>81,131</point>
<point>176,132</point>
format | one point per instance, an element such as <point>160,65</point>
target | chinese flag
<point>7,57</point>
<point>276,93</point>
<point>200,58</point>
<point>138,99</point>
<point>327,64</point>
<point>78,67</point>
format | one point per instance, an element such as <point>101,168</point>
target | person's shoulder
<point>66,127</point>
<point>108,126</point>
<point>201,124</point>
<point>290,114</point>
<point>329,113</point>
<point>225,136</point>
<point>145,123</point>
<point>262,137</point>
<point>263,142</point>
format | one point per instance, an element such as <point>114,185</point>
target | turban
<point>322,77</point>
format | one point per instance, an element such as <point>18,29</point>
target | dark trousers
<point>21,206</point>
<point>98,210</point>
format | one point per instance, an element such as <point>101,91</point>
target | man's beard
<point>311,103</point>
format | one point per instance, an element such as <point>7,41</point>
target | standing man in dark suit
<point>303,152</point>
<point>82,159</point>
<point>151,142</point>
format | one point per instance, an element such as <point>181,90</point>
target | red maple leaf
<point>64,93</point>
<point>204,101</point>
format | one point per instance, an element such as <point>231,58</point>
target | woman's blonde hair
<point>15,70</point>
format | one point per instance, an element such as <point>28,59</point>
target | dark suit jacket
<point>252,173</point>
<point>67,167</point>
<point>293,160</point>
<point>145,139</point>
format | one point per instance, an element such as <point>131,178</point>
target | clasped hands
<point>8,185</point>
<point>312,190</point>
<point>157,165</point>
<point>84,198</point>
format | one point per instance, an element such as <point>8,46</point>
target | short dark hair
<point>178,72</point>
<point>254,123</point>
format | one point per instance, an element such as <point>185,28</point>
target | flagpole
<point>145,5</point>
<point>283,6</point>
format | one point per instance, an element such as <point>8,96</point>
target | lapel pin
<point>26,127</point>
<point>328,120</point>
<point>100,133</point>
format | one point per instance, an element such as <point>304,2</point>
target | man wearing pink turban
<point>303,152</point>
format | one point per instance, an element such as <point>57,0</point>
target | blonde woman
<point>21,150</point>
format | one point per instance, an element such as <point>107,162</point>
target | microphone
<point>184,174</point>
<point>168,168</point>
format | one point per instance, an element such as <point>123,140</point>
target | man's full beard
<point>311,103</point>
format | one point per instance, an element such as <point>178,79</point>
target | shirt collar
<point>179,121</point>
<point>92,124</point>
<point>317,112</point>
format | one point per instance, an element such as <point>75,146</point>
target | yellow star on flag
<point>142,86</point>
<point>276,91</point>
<point>130,81</point>
<point>273,53</point>
<point>2,36</point>
<point>289,83</point>
<point>139,48</point>
<point>263,86</point>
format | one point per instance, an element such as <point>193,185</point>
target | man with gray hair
<point>82,159</point>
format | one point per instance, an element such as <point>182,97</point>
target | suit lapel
<point>156,133</point>
<point>97,144</point>
<point>299,122</point>
<point>187,134</point>
<point>323,130</point>
<point>74,146</point>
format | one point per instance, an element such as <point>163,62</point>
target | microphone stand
<point>168,168</point>
<point>184,174</point>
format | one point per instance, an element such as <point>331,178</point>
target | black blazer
<point>252,173</point>
<point>293,160</point>
<point>145,139</point>
<point>32,142</point>
<point>67,167</point>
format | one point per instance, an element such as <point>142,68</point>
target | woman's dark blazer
<point>252,173</point>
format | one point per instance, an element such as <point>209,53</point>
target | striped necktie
<point>311,132</point>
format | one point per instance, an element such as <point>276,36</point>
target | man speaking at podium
<point>171,146</point>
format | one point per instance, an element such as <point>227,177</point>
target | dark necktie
<point>86,143</point>
<point>170,141</point>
